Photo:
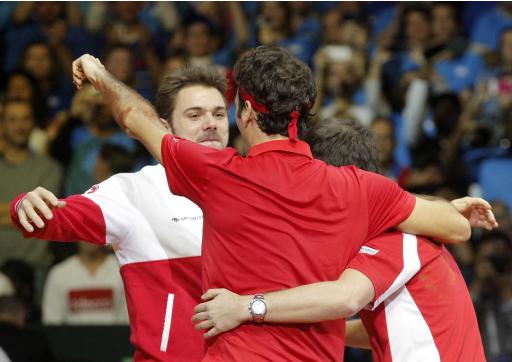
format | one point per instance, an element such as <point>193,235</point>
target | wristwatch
<point>258,308</point>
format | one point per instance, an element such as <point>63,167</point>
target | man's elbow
<point>462,233</point>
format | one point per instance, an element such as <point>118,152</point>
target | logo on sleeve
<point>94,188</point>
<point>367,250</point>
<point>187,218</point>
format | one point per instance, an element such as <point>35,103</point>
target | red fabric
<point>292,127</point>
<point>438,290</point>
<point>277,219</point>
<point>80,219</point>
<point>147,286</point>
<point>261,108</point>
<point>90,299</point>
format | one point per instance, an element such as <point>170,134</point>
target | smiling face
<point>200,115</point>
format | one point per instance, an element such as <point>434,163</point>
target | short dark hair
<point>190,76</point>
<point>344,142</point>
<point>279,81</point>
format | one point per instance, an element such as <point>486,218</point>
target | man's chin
<point>213,144</point>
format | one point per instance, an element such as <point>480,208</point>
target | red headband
<point>261,108</point>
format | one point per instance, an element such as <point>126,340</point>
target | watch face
<point>258,307</point>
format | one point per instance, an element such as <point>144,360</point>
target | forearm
<point>320,301</point>
<point>80,219</point>
<point>438,219</point>
<point>356,335</point>
<point>135,115</point>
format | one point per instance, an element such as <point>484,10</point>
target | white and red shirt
<point>422,310</point>
<point>156,237</point>
<point>277,219</point>
<point>72,295</point>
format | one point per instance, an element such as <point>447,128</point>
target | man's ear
<point>165,123</point>
<point>248,114</point>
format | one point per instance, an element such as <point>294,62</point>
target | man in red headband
<point>277,218</point>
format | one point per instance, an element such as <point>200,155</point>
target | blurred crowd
<point>432,80</point>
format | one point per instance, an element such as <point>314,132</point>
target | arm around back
<point>437,219</point>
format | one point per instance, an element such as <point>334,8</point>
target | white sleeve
<point>118,212</point>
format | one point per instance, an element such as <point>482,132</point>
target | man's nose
<point>209,121</point>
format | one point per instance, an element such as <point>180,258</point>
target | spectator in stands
<point>55,23</point>
<point>6,287</point>
<point>97,127</point>
<point>17,342</point>
<point>492,99</point>
<point>456,67</point>
<point>212,34</point>
<point>21,168</point>
<point>410,40</point>
<point>285,25</point>
<point>503,217</point>
<point>20,85</point>
<point>85,289</point>
<point>384,132</point>
<point>492,294</point>
<point>339,74</point>
<point>119,60</point>
<point>112,159</point>
<point>40,61</point>
<point>23,279</point>
<point>486,32</point>
<point>232,35</point>
<point>174,61</point>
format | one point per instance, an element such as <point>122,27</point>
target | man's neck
<point>15,155</point>
<point>262,138</point>
<point>92,262</point>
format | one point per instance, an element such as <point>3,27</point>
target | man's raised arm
<point>135,115</point>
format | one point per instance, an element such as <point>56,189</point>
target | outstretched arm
<point>102,215</point>
<point>448,222</point>
<point>40,214</point>
<point>134,114</point>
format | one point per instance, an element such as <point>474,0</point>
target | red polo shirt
<point>278,219</point>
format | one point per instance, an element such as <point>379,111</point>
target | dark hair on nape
<point>279,81</point>
<point>208,77</point>
<point>344,142</point>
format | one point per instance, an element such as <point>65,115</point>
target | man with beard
<point>156,235</point>
<point>21,169</point>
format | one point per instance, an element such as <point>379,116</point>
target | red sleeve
<point>189,166</point>
<point>388,204</point>
<point>381,260</point>
<point>392,260</point>
<point>81,219</point>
